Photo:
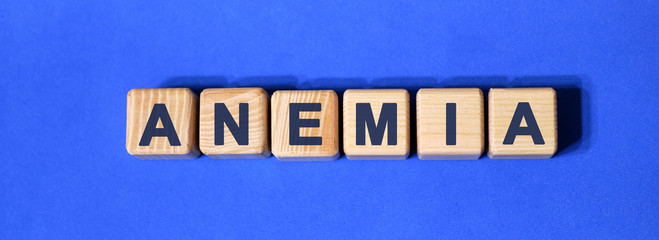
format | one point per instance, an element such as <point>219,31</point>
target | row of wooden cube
<point>173,123</point>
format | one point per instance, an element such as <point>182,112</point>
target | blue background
<point>67,66</point>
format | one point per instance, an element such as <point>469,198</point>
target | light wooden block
<point>220,115</point>
<point>176,104</point>
<point>450,123</point>
<point>503,105</point>
<point>358,144</point>
<point>318,139</point>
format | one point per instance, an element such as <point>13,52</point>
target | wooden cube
<point>376,124</point>
<point>233,123</point>
<point>162,123</point>
<point>522,123</point>
<point>450,123</point>
<point>305,125</point>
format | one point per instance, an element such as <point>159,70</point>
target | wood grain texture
<point>258,143</point>
<point>431,123</point>
<point>502,105</point>
<point>328,130</point>
<point>182,105</point>
<point>376,97</point>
